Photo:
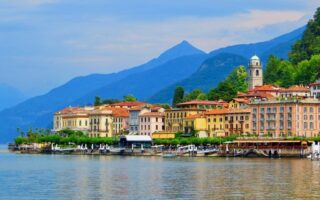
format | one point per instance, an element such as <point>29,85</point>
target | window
<point>156,127</point>
<point>156,119</point>
<point>305,125</point>
<point>311,125</point>
<point>305,109</point>
<point>257,72</point>
<point>311,109</point>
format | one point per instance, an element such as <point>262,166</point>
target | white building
<point>315,89</point>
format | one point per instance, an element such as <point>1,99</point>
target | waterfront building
<point>120,120</point>
<point>75,118</point>
<point>226,122</point>
<point>175,118</point>
<point>255,72</point>
<point>216,122</point>
<point>101,122</point>
<point>196,124</point>
<point>279,118</point>
<point>315,89</point>
<point>151,122</point>
<point>237,122</point>
<point>134,113</point>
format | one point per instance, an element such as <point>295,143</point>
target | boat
<point>169,155</point>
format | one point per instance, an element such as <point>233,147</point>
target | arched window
<point>257,72</point>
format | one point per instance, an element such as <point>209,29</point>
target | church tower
<point>255,72</point>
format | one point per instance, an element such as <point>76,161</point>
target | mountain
<point>279,46</point>
<point>145,84</point>
<point>37,111</point>
<point>209,74</point>
<point>9,96</point>
<point>222,61</point>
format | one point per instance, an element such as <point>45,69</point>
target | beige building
<point>255,72</point>
<point>286,118</point>
<point>100,122</point>
<point>75,118</point>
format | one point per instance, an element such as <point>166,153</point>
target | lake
<point>113,177</point>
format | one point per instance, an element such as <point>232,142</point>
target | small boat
<point>169,155</point>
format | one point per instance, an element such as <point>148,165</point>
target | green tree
<point>307,71</point>
<point>202,96</point>
<point>228,89</point>
<point>309,44</point>
<point>110,101</point>
<point>192,95</point>
<point>271,73</point>
<point>178,96</point>
<point>97,101</point>
<point>129,98</point>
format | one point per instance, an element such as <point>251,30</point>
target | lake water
<point>112,177</point>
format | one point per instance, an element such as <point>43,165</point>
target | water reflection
<point>107,177</point>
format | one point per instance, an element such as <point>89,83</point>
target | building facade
<point>74,118</point>
<point>100,123</point>
<point>286,118</point>
<point>175,118</point>
<point>151,122</point>
<point>315,89</point>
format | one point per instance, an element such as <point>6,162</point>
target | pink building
<point>151,122</point>
<point>286,118</point>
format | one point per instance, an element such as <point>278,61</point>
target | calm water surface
<point>106,177</point>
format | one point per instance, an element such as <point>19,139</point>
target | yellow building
<point>74,118</point>
<point>100,123</point>
<point>175,118</point>
<point>226,122</point>
<point>198,124</point>
<point>163,135</point>
<point>216,122</point>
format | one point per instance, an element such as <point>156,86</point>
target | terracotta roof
<point>266,88</point>
<point>256,94</point>
<point>128,104</point>
<point>242,100</point>
<point>119,112</point>
<point>152,114</point>
<point>296,88</point>
<point>198,102</point>
<point>73,110</point>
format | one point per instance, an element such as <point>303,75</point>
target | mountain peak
<point>184,48</point>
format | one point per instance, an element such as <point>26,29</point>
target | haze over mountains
<point>153,81</point>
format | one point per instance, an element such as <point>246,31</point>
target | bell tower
<point>255,72</point>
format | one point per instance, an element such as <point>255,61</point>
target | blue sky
<point>44,43</point>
